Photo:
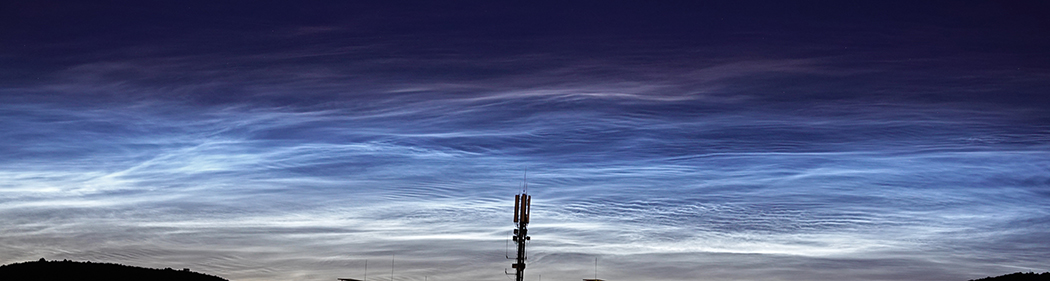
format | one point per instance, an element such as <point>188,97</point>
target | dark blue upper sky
<point>741,140</point>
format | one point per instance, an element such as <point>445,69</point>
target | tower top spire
<point>525,182</point>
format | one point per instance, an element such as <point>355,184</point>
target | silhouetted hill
<point>1020,276</point>
<point>87,271</point>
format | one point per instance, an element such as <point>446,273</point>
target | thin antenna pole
<point>595,267</point>
<point>391,267</point>
<point>526,180</point>
<point>366,270</point>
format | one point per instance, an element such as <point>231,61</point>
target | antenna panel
<point>517,206</point>
<point>523,202</point>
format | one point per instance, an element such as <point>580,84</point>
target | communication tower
<point>522,208</point>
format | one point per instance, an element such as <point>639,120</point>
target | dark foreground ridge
<point>1020,276</point>
<point>43,270</point>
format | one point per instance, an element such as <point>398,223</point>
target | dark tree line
<point>66,270</point>
<point>1020,276</point>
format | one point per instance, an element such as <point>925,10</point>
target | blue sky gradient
<point>745,141</point>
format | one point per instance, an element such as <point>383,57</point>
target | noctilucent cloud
<point>671,141</point>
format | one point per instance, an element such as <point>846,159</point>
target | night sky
<point>262,140</point>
